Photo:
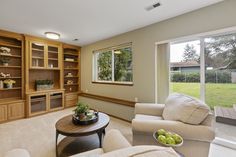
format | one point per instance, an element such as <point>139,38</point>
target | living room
<point>121,59</point>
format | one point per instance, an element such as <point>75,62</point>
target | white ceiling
<point>88,20</point>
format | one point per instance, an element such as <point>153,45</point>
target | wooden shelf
<point>71,61</point>
<point>53,52</point>
<point>39,50</point>
<point>71,54</point>
<point>42,68</point>
<point>9,45</point>
<point>36,57</point>
<point>74,84</point>
<point>53,59</point>
<point>71,68</point>
<point>6,89</point>
<point>1,66</point>
<point>13,56</point>
<point>10,77</point>
<point>12,99</point>
<point>71,76</point>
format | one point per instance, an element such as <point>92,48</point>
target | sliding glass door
<point>205,69</point>
<point>185,68</point>
<point>220,73</point>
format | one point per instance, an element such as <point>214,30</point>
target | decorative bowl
<point>168,145</point>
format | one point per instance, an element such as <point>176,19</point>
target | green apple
<point>170,140</point>
<point>168,134</point>
<point>162,139</point>
<point>177,138</point>
<point>161,132</point>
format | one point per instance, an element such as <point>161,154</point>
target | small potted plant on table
<point>81,110</point>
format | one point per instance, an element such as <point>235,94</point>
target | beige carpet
<point>37,134</point>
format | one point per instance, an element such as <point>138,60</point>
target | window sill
<point>114,83</point>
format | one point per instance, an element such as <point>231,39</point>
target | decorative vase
<point>8,86</point>
<point>5,64</point>
<point>81,115</point>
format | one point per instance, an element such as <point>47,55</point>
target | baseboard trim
<point>108,99</point>
<point>225,143</point>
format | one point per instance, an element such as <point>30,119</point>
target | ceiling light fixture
<point>52,35</point>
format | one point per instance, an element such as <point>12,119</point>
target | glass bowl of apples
<point>167,138</point>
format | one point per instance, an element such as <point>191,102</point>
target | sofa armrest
<point>149,109</point>
<point>114,140</point>
<point>187,131</point>
<point>208,120</point>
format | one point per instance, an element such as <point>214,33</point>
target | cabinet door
<point>56,100</point>
<point>3,113</point>
<point>37,55</point>
<point>53,57</point>
<point>16,111</point>
<point>37,104</point>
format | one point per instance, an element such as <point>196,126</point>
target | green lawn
<point>216,94</point>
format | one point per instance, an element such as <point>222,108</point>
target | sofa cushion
<point>147,117</point>
<point>184,108</point>
<point>142,151</point>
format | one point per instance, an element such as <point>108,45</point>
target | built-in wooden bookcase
<point>43,62</point>
<point>71,74</point>
<point>26,60</point>
<point>11,69</point>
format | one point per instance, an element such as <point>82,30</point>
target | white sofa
<point>114,145</point>
<point>148,119</point>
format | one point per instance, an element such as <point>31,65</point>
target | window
<point>206,69</point>
<point>113,65</point>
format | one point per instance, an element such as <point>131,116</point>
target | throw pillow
<point>180,107</point>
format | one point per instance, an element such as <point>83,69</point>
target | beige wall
<point>211,18</point>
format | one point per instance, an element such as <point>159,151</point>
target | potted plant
<point>44,84</point>
<point>81,110</point>
<point>4,61</point>
<point>8,83</point>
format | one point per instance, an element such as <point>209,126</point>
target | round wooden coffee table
<point>65,127</point>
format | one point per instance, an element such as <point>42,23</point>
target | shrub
<point>211,76</point>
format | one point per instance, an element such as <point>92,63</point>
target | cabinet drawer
<point>3,113</point>
<point>71,97</point>
<point>16,111</point>
<point>70,103</point>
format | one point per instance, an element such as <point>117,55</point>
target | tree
<point>190,54</point>
<point>123,60</point>
<point>105,66</point>
<point>220,51</point>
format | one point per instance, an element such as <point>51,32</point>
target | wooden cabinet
<point>71,99</point>
<point>12,110</point>
<point>71,68</point>
<point>11,66</point>
<point>16,111</point>
<point>44,56</point>
<point>43,102</point>
<point>3,113</point>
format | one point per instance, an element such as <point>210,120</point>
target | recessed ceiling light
<point>52,35</point>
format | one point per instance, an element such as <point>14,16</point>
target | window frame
<point>95,65</point>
